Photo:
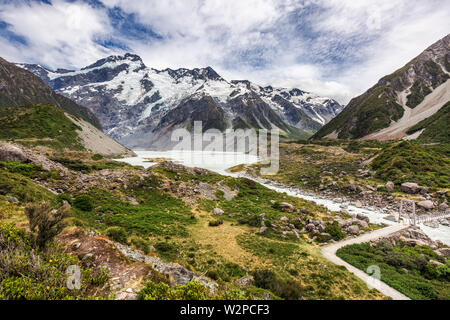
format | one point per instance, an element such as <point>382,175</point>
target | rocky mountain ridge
<point>136,104</point>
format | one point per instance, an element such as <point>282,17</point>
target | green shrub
<point>191,291</point>
<point>84,203</point>
<point>164,246</point>
<point>75,165</point>
<point>44,222</point>
<point>97,157</point>
<point>64,197</point>
<point>25,169</point>
<point>335,231</point>
<point>213,274</point>
<point>117,234</point>
<point>284,288</point>
<point>215,223</point>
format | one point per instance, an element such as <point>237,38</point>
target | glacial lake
<point>214,161</point>
<point>219,162</point>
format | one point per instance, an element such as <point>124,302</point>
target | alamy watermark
<point>374,281</point>
<point>73,277</point>
<point>262,144</point>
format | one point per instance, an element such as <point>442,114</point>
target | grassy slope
<point>39,125</point>
<point>409,161</point>
<point>437,127</point>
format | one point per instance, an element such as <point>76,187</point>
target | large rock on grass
<point>287,207</point>
<point>218,212</point>
<point>411,188</point>
<point>390,186</point>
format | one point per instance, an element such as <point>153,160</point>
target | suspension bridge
<point>415,219</point>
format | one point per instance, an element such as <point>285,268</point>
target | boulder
<point>218,212</point>
<point>409,187</point>
<point>310,227</point>
<point>358,204</point>
<point>126,296</point>
<point>132,201</point>
<point>427,204</point>
<point>351,187</point>
<point>245,281</point>
<point>263,230</point>
<point>9,152</point>
<point>362,217</point>
<point>325,236</point>
<point>12,199</point>
<point>287,207</point>
<point>390,186</point>
<point>306,212</point>
<point>436,263</point>
<point>321,228</point>
<point>363,224</point>
<point>424,190</point>
<point>341,223</point>
<point>284,219</point>
<point>443,206</point>
<point>432,224</point>
<point>445,223</point>
<point>444,252</point>
<point>415,242</point>
<point>353,230</point>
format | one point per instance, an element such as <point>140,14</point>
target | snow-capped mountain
<point>138,105</point>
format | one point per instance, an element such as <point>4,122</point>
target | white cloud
<point>408,34</point>
<point>61,34</point>
<point>337,48</point>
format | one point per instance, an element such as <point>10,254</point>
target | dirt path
<point>329,252</point>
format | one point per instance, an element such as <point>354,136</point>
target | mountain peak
<point>207,73</point>
<point>126,58</point>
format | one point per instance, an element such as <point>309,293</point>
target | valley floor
<point>170,230</point>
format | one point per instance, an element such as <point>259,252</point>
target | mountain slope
<point>31,113</point>
<point>20,87</point>
<point>398,101</point>
<point>139,105</point>
<point>47,125</point>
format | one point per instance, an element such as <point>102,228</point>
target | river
<point>220,161</point>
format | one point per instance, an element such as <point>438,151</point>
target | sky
<point>334,48</point>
